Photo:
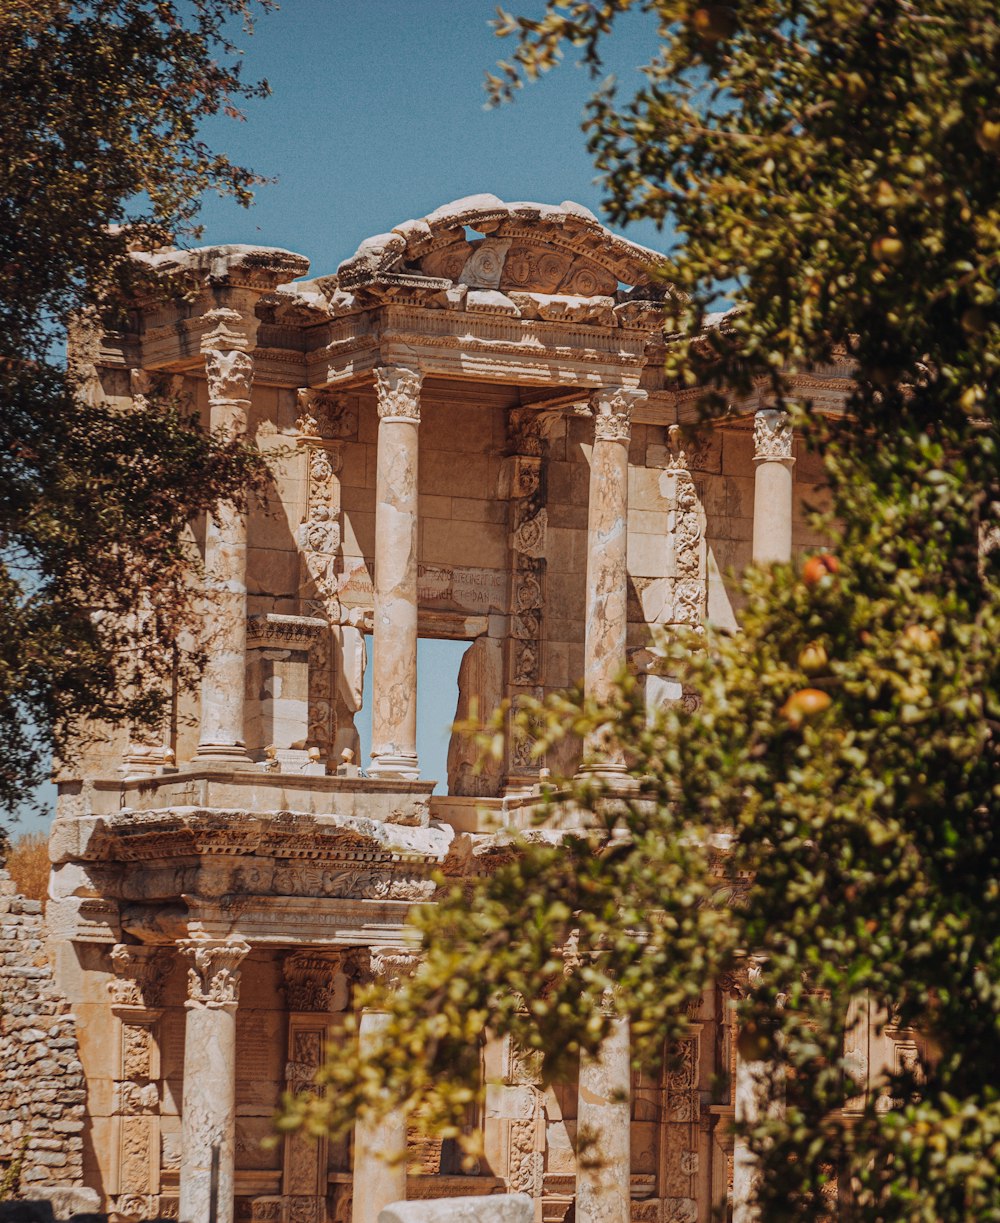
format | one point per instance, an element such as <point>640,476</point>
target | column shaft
<point>603,1185</point>
<point>773,482</point>
<point>394,666</point>
<point>379,1147</point>
<point>223,684</point>
<point>746,1090</point>
<point>209,1105</point>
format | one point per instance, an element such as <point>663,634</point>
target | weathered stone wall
<point>42,1088</point>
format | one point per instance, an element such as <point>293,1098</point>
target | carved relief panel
<point>525,486</point>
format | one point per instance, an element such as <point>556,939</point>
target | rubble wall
<point>42,1088</point>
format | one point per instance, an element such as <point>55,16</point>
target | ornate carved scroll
<point>525,485</point>
<point>525,1131</point>
<point>136,998</point>
<point>684,528</point>
<point>682,1129</point>
<point>325,422</point>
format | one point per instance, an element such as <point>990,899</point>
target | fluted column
<point>394,633</point>
<point>379,1175</point>
<point>209,1105</point>
<point>229,367</point>
<point>607,546</point>
<point>603,1188</point>
<point>772,494</point>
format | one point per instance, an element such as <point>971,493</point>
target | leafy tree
<point>831,169</point>
<point>99,156</point>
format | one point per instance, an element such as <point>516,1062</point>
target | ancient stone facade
<point>471,438</point>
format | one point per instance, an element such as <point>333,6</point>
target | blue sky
<point>377,114</point>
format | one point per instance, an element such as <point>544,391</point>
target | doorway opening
<point>438,662</point>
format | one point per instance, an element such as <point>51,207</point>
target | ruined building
<point>472,438</point>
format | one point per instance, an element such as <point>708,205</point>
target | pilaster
<point>136,1002</point>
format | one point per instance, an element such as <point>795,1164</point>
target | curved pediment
<point>482,243</point>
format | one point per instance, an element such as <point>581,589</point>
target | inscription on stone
<point>438,586</point>
<point>258,1060</point>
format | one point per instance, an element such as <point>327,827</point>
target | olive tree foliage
<point>824,826</point>
<point>99,155</point>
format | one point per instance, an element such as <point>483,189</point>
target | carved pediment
<point>484,244</point>
<point>527,266</point>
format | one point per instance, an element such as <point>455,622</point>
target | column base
<point>401,765</point>
<point>603,770</point>
<point>222,753</point>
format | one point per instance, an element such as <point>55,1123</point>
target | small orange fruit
<point>818,567</point>
<point>804,706</point>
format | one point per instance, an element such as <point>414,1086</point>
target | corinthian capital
<point>387,966</point>
<point>214,977</point>
<point>612,408</point>
<point>398,391</point>
<point>772,434</point>
<point>140,975</point>
<point>230,374</point>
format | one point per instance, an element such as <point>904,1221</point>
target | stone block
<point>441,474</point>
<point>463,543</point>
<point>498,1208</point>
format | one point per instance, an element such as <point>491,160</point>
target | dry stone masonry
<point>42,1085</point>
<point>472,438</point>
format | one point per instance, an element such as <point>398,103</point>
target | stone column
<point>229,367</point>
<point>607,542</point>
<point>749,1088</point>
<point>136,1000</point>
<point>772,493</point>
<point>380,1147</point>
<point>394,674</point>
<point>208,1121</point>
<point>603,1187</point>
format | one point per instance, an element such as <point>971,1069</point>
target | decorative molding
<point>284,632</point>
<point>398,391</point>
<point>214,977</point>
